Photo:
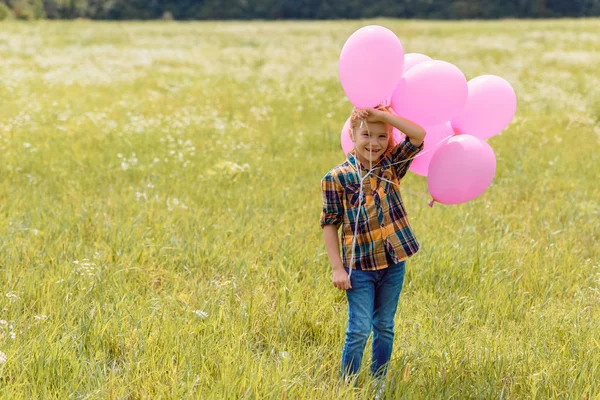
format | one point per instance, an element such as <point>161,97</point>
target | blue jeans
<point>372,304</point>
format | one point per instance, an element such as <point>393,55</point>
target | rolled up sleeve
<point>402,156</point>
<point>333,208</point>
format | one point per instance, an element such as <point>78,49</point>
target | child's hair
<point>355,123</point>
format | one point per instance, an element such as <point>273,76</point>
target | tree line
<point>295,9</point>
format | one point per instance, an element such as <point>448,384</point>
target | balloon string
<point>357,215</point>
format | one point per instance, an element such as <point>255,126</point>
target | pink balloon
<point>347,143</point>
<point>370,66</point>
<point>412,59</point>
<point>431,93</point>
<point>490,107</point>
<point>435,134</point>
<point>461,169</point>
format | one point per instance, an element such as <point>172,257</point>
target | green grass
<point>159,206</point>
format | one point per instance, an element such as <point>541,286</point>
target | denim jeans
<point>372,304</point>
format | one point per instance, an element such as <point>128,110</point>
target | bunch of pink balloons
<point>457,115</point>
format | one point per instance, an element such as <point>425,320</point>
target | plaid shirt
<point>382,223</point>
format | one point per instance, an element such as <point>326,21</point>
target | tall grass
<point>159,205</point>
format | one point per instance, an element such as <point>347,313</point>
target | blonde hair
<point>355,119</point>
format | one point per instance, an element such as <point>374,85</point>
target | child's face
<point>370,146</point>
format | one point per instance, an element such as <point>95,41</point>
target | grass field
<point>160,201</point>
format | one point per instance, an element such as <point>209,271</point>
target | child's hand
<point>340,279</point>
<point>371,114</point>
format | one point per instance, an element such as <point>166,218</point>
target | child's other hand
<point>340,279</point>
<point>371,114</point>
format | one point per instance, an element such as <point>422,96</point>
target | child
<point>362,196</point>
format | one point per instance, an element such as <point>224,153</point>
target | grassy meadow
<point>160,201</point>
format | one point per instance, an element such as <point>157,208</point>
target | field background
<point>159,206</point>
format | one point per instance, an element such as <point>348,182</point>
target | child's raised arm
<point>415,132</point>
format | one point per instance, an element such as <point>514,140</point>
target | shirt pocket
<point>388,186</point>
<point>352,192</point>
<point>357,215</point>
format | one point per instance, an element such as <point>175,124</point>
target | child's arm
<point>414,131</point>
<point>332,245</point>
<point>331,219</point>
<point>340,276</point>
